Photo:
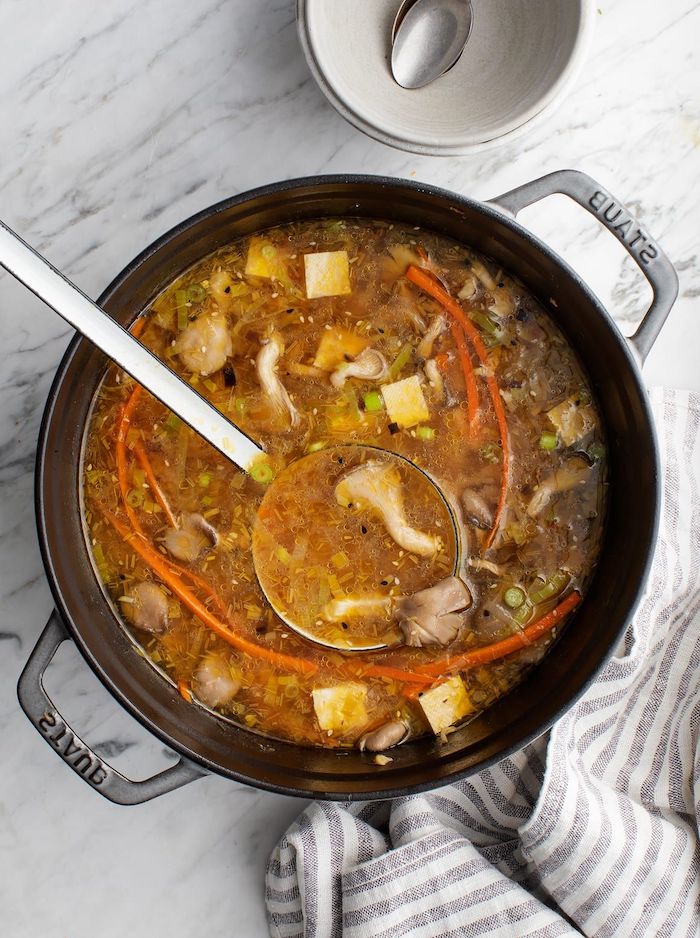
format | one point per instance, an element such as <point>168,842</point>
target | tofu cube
<point>446,704</point>
<point>335,344</point>
<point>327,274</point>
<point>572,420</point>
<point>405,403</point>
<point>341,708</point>
<point>264,260</point>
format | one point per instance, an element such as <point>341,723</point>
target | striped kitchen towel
<point>590,830</point>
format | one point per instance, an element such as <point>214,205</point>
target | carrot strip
<point>487,653</point>
<point>430,285</point>
<point>442,360</point>
<point>396,674</point>
<point>184,690</point>
<point>138,326</point>
<point>160,566</point>
<point>123,427</point>
<point>123,477</point>
<point>145,464</point>
<point>470,385</point>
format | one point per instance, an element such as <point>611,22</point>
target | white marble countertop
<point>120,119</point>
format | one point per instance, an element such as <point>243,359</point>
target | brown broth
<point>543,551</point>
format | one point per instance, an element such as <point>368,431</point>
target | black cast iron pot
<point>207,744</point>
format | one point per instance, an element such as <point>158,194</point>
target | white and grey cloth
<point>592,829</point>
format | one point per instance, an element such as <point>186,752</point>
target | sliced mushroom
<point>482,274</point>
<point>503,303</point>
<point>205,344</point>
<point>213,682</point>
<point>476,509</point>
<point>573,420</point>
<point>469,289</point>
<point>266,365</point>
<point>575,471</point>
<point>191,539</point>
<point>148,607</point>
<point>433,616</point>
<point>220,284</point>
<point>476,563</point>
<point>369,365</point>
<point>436,327</point>
<point>350,606</point>
<point>385,737</point>
<point>432,373</point>
<point>376,486</point>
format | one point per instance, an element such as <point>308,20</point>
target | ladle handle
<point>49,284</point>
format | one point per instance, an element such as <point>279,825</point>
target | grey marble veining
<point>117,121</point>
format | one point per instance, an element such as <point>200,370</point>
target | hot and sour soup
<point>310,337</point>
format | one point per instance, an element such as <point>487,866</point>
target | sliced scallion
<point>373,402</point>
<point>485,323</point>
<point>401,360</point>
<point>425,433</point>
<point>262,472</point>
<point>172,422</point>
<point>196,293</point>
<point>549,440</point>
<point>551,587</point>
<point>514,597</point>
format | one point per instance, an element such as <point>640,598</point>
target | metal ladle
<point>427,39</point>
<point>92,322</point>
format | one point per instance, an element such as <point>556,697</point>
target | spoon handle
<point>49,284</point>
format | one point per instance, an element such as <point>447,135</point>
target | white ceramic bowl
<point>520,60</point>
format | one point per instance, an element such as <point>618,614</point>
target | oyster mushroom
<point>385,737</point>
<point>266,366</point>
<point>213,682</point>
<point>432,373</point>
<point>433,616</point>
<point>191,539</point>
<point>436,327</point>
<point>573,472</point>
<point>220,284</point>
<point>148,607</point>
<point>369,365</point>
<point>376,486</point>
<point>205,344</point>
<point>476,509</point>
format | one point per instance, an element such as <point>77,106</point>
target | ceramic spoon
<point>428,36</point>
<point>49,284</point>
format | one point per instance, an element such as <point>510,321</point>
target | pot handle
<point>611,213</point>
<point>40,709</point>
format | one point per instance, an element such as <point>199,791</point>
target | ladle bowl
<point>287,532</point>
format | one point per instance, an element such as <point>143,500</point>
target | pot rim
<point>491,211</point>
